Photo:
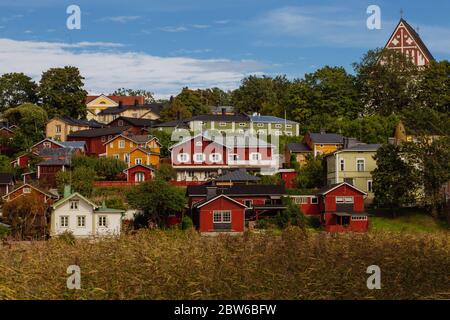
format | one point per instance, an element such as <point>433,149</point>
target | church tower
<point>406,40</point>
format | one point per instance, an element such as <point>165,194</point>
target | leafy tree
<point>175,110</point>
<point>433,90</point>
<point>5,164</point>
<point>395,180</point>
<point>81,179</point>
<point>27,217</point>
<point>61,91</point>
<point>296,216</point>
<point>157,199</point>
<point>311,174</point>
<point>386,81</point>
<point>30,120</point>
<point>164,139</point>
<point>16,89</point>
<point>194,101</point>
<point>149,96</point>
<point>109,168</point>
<point>166,172</point>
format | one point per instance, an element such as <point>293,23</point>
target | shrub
<point>67,237</point>
<point>186,223</point>
<point>262,224</point>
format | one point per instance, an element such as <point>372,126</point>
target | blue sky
<point>165,45</point>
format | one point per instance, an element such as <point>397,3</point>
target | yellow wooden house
<point>402,135</point>
<point>323,143</point>
<point>134,148</point>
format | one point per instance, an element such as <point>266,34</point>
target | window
<point>58,128</point>
<point>222,124</point>
<point>114,117</point>
<point>277,132</point>
<point>115,156</point>
<point>344,199</point>
<point>255,156</point>
<point>126,158</point>
<point>233,157</point>
<point>139,177</point>
<point>288,133</point>
<point>47,145</point>
<point>278,126</point>
<point>215,157</point>
<point>359,165</point>
<point>81,221</point>
<point>369,185</point>
<point>198,143</point>
<point>74,204</point>
<point>260,125</point>
<point>288,126</point>
<point>121,144</point>
<point>359,218</point>
<point>222,216</point>
<point>342,164</point>
<point>261,131</point>
<point>27,190</point>
<point>314,200</point>
<point>64,221</point>
<point>138,161</point>
<point>248,203</point>
<point>183,157</point>
<point>301,200</point>
<point>111,145</point>
<point>242,124</point>
<point>102,221</point>
<point>198,157</point>
<point>348,180</point>
<point>120,123</point>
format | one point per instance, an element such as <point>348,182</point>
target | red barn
<point>139,173</point>
<point>27,189</point>
<point>342,207</point>
<point>308,204</point>
<point>220,213</point>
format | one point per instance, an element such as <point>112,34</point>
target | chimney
<point>224,111</point>
<point>67,190</point>
<point>211,192</point>
<point>322,131</point>
<point>350,142</point>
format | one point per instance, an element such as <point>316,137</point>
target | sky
<point>164,45</point>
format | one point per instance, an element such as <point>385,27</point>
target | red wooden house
<point>27,189</point>
<point>255,200</point>
<point>7,182</point>
<point>139,173</point>
<point>137,126</point>
<point>95,138</point>
<point>21,161</point>
<point>340,207</point>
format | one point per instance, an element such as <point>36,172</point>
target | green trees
<point>312,174</point>
<point>81,179</point>
<point>16,89</point>
<point>175,110</point>
<point>106,168</point>
<point>61,91</point>
<point>166,172</point>
<point>131,92</point>
<point>157,199</point>
<point>395,180</point>
<point>434,88</point>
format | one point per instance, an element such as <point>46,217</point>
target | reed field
<point>184,265</point>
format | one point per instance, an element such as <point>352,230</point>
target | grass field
<point>184,265</point>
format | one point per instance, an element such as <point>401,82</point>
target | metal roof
<point>237,175</point>
<point>270,119</point>
<point>298,147</point>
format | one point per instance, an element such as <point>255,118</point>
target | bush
<point>186,223</point>
<point>4,231</point>
<point>116,203</point>
<point>67,237</point>
<point>262,224</point>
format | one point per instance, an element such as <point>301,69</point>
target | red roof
<point>126,100</point>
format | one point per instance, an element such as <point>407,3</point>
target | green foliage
<point>116,203</point>
<point>186,223</point>
<point>4,232</point>
<point>166,172</point>
<point>5,164</point>
<point>157,199</point>
<point>262,224</point>
<point>273,179</point>
<point>61,91</point>
<point>81,179</point>
<point>175,110</point>
<point>434,89</point>
<point>31,121</point>
<point>67,237</point>
<point>149,98</point>
<point>106,168</point>
<point>16,89</point>
<point>164,139</point>
<point>311,174</point>
<point>395,181</point>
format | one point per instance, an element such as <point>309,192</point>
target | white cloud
<point>222,21</point>
<point>173,29</point>
<point>200,26</point>
<point>121,19</point>
<point>105,70</point>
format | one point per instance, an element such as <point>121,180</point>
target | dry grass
<point>177,265</point>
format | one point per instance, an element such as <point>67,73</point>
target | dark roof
<point>255,189</point>
<point>220,109</point>
<point>363,147</point>
<point>298,147</point>
<point>74,144</point>
<point>326,189</point>
<point>237,175</point>
<point>326,137</point>
<point>55,162</point>
<point>173,123</point>
<point>221,118</point>
<point>6,178</point>
<point>270,119</point>
<point>154,107</point>
<point>137,122</point>
<point>91,133</point>
<point>416,36</point>
<point>80,122</point>
<point>56,152</point>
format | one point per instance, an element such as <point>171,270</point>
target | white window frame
<point>278,126</point>
<point>222,124</point>
<point>258,158</point>
<point>301,200</point>
<point>121,144</point>
<point>314,200</point>
<point>370,182</point>
<point>232,155</point>
<point>103,221</point>
<point>58,128</point>
<point>64,221</point>
<point>141,176</point>
<point>242,124</point>
<point>198,143</point>
<point>196,155</point>
<point>212,155</point>
<point>26,190</point>
<point>260,125</point>
<point>74,205</point>
<point>81,219</point>
<point>115,156</point>
<point>221,213</point>
<point>278,132</point>
<point>183,155</point>
<point>47,145</point>
<point>250,201</point>
<point>138,161</point>
<point>342,164</point>
<point>345,199</point>
<point>288,126</point>
<point>363,163</point>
